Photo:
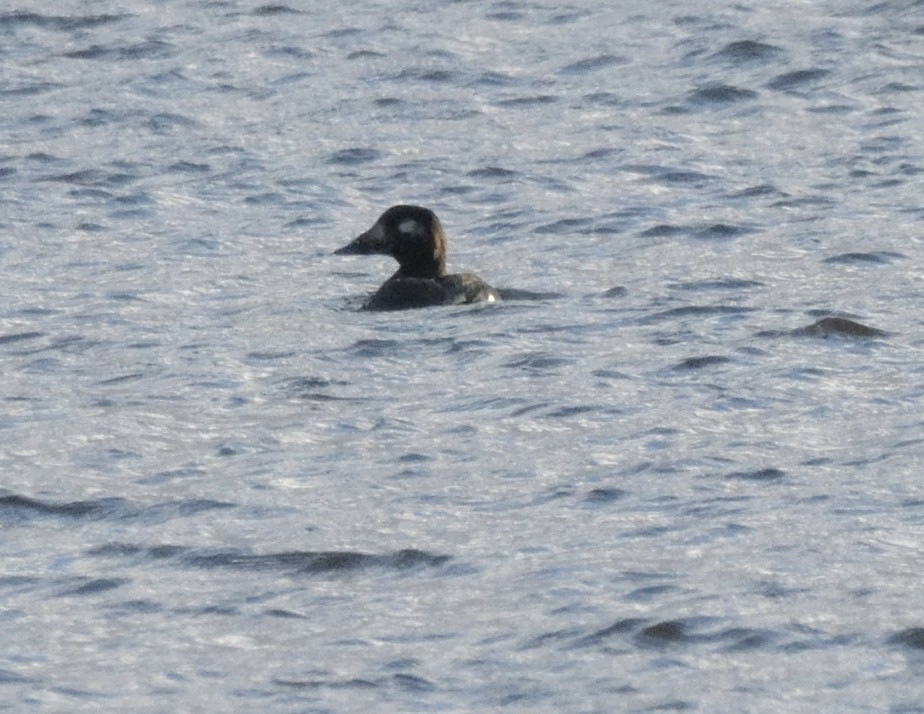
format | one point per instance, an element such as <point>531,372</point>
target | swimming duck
<point>414,237</point>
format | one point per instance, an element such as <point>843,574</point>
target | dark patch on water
<point>492,172</point>
<point>744,639</point>
<point>604,495</point>
<point>373,348</point>
<point>694,311</point>
<point>136,607</point>
<point>734,284</point>
<point>911,637</point>
<point>838,327</point>
<point>747,51</point>
<point>721,94</point>
<point>662,230</point>
<point>563,225</point>
<point>365,54</point>
<point>681,176</point>
<point>620,627</point>
<point>84,177</point>
<point>30,89</point>
<point>58,23</point>
<point>816,200</point>
<point>764,189</point>
<point>412,683</point>
<point>494,79</point>
<point>608,99</point>
<point>18,506</point>
<point>616,291</point>
<point>300,562</point>
<point>414,458</point>
<point>312,684</point>
<point>768,474</point>
<point>538,361</point>
<point>538,99</point>
<point>650,593</point>
<point>273,11</point>
<point>674,633</point>
<point>692,363</point>
<point>169,510</point>
<point>151,49</point>
<point>426,74</point>
<point>604,153</point>
<point>504,15</point>
<point>669,632</point>
<point>722,231</point>
<point>874,258</point>
<point>94,586</point>
<point>354,157</point>
<point>593,63</point>
<point>570,411</point>
<point>270,356</point>
<point>794,80</point>
<point>123,550</point>
<point>313,563</point>
<point>121,379</point>
<point>19,337</point>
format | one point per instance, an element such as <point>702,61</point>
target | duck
<point>414,236</point>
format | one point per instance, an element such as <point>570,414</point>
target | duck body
<point>414,237</point>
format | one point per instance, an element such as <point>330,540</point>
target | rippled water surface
<point>663,482</point>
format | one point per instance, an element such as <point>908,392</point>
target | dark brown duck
<point>414,237</point>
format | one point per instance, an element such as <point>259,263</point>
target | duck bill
<point>372,241</point>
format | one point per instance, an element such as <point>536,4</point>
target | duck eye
<point>407,227</point>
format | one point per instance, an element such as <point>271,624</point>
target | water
<point>225,488</point>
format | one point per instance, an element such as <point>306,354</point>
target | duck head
<point>412,235</point>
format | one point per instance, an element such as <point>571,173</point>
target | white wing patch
<point>407,226</point>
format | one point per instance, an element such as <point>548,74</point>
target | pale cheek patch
<point>407,227</point>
